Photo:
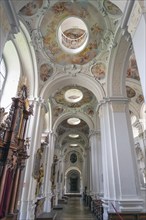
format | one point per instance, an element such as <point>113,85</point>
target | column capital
<point>88,148</point>
<point>93,133</point>
<point>38,100</point>
<point>118,103</point>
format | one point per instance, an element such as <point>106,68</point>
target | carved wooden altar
<point>13,153</point>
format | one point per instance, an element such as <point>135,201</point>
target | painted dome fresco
<point>89,35</point>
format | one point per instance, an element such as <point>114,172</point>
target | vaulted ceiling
<point>43,18</point>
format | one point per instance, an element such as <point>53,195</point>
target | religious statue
<point>40,181</point>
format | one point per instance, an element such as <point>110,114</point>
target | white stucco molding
<point>80,80</point>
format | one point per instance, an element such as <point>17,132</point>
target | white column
<point>48,183</point>
<point>120,174</point>
<point>93,144</point>
<point>28,191</point>
<point>61,185</point>
<point>96,163</point>
<point>88,166</point>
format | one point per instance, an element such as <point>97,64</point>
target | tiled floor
<point>75,210</point>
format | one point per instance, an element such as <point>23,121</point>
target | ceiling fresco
<point>50,24</point>
<point>99,71</point>
<point>140,99</point>
<point>111,8</point>
<point>130,92</point>
<point>31,8</point>
<point>46,72</point>
<point>68,140</point>
<point>64,126</point>
<point>132,71</point>
<point>88,97</point>
<point>43,19</point>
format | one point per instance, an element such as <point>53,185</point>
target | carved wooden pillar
<point>14,191</point>
<point>13,151</point>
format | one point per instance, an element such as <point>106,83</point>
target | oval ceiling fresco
<point>87,98</point>
<point>98,71</point>
<point>130,92</point>
<point>53,19</point>
<point>111,8</point>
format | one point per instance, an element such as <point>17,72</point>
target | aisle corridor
<point>75,209</point>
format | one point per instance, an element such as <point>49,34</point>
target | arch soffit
<point>68,132</point>
<point>27,58</point>
<point>77,150</point>
<point>118,64</point>
<point>79,80</point>
<point>77,114</point>
<point>72,168</point>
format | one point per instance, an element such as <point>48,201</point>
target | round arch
<point>78,114</point>
<point>68,132</point>
<point>27,58</point>
<point>80,80</point>
<point>118,65</point>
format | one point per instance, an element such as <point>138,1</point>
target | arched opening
<point>73,180</point>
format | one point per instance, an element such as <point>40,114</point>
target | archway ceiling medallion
<point>73,135</point>
<point>88,97</point>
<point>71,141</point>
<point>73,121</point>
<point>65,127</point>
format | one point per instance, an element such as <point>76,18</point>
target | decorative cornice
<point>112,99</point>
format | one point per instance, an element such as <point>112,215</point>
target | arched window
<point>2,76</point>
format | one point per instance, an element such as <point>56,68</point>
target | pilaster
<point>49,161</point>
<point>96,168</point>
<point>120,174</point>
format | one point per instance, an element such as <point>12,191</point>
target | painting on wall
<point>132,71</point>
<point>111,8</point>
<point>31,8</point>
<point>140,99</point>
<point>98,71</point>
<point>59,97</point>
<point>45,72</point>
<point>130,92</point>
<point>50,25</point>
<point>57,111</point>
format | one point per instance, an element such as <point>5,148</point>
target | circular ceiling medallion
<point>46,71</point>
<point>73,95</point>
<point>130,92</point>
<point>77,42</point>
<point>73,35</point>
<point>73,135</point>
<point>98,70</point>
<point>73,121</point>
<point>73,145</point>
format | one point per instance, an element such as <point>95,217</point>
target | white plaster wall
<point>139,44</point>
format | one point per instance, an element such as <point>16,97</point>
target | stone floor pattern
<point>75,210</point>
